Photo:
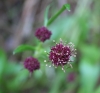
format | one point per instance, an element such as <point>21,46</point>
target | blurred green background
<point>18,21</point>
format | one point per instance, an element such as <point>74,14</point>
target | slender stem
<point>64,7</point>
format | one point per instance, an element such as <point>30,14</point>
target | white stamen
<point>45,51</point>
<point>50,66</point>
<point>58,59</point>
<point>63,69</point>
<point>52,60</point>
<point>53,40</point>
<point>44,60</point>
<point>64,62</point>
<point>74,55</point>
<point>70,65</point>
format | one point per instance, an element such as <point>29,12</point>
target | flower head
<point>43,34</point>
<point>61,54</point>
<point>31,64</point>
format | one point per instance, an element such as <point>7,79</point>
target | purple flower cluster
<point>43,34</point>
<point>60,54</point>
<point>31,64</point>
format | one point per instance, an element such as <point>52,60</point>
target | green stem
<point>64,7</point>
<point>38,49</point>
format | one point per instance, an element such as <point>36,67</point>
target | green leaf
<point>46,15</point>
<point>64,7</point>
<point>22,48</point>
<point>19,80</point>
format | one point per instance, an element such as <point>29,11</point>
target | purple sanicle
<point>61,54</point>
<point>43,34</point>
<point>31,64</point>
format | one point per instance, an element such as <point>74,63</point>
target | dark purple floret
<point>43,34</point>
<point>31,64</point>
<point>60,54</point>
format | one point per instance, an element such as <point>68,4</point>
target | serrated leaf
<point>22,48</point>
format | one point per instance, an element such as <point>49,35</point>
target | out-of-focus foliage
<point>82,27</point>
<point>11,75</point>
